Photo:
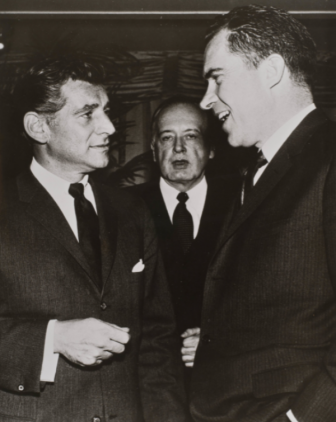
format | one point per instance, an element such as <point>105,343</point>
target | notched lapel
<point>43,209</point>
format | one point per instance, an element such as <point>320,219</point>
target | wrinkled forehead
<point>78,93</point>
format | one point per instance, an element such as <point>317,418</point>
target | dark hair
<point>39,89</point>
<point>259,31</point>
<point>181,100</point>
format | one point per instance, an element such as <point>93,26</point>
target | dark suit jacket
<point>44,275</point>
<point>186,274</point>
<point>269,317</point>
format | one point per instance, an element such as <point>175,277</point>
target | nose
<point>106,126</point>
<point>179,144</point>
<point>209,99</point>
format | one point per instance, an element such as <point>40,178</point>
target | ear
<point>212,153</point>
<point>274,68</point>
<point>36,126</point>
<point>153,149</point>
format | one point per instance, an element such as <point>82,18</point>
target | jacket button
<point>20,387</point>
<point>96,419</point>
<point>206,339</point>
<point>103,306</point>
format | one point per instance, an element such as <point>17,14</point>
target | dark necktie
<point>183,222</point>
<point>248,176</point>
<point>88,228</point>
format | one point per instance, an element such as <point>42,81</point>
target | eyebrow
<point>210,72</point>
<point>186,130</point>
<point>87,107</point>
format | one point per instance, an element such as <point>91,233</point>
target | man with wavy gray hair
<point>268,330</point>
<point>86,324</point>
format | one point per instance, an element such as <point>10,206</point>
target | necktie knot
<point>261,160</point>
<point>182,197</point>
<point>255,164</point>
<point>76,190</point>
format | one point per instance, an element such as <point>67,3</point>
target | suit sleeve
<point>21,351</point>
<point>317,402</point>
<point>160,365</point>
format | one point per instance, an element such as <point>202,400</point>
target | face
<point>78,134</point>
<point>179,146</point>
<point>237,94</point>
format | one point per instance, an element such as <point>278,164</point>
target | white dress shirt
<point>275,142</point>
<point>270,148</point>
<point>195,203</point>
<point>58,188</point>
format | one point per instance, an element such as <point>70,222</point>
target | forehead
<point>217,51</point>
<point>181,114</point>
<point>80,93</point>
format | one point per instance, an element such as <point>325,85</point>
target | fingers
<point>89,342</point>
<point>191,332</point>
<point>118,335</point>
<point>191,339</point>
<point>191,342</point>
<point>188,351</point>
<point>188,358</point>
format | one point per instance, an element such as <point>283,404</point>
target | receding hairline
<point>191,106</point>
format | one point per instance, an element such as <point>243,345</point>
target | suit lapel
<point>43,209</point>
<point>108,227</point>
<point>159,211</point>
<point>275,171</point>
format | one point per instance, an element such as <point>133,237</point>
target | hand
<point>191,339</point>
<point>88,342</point>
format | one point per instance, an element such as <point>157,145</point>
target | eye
<point>107,110</point>
<point>218,79</point>
<point>166,138</point>
<point>191,136</point>
<point>88,115</point>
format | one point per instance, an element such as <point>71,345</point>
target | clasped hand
<point>90,341</point>
<point>191,339</point>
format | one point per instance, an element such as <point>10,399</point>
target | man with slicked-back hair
<point>268,333</point>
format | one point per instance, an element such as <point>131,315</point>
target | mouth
<point>101,146</point>
<point>223,115</point>
<point>180,164</point>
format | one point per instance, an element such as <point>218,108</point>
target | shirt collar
<point>196,195</point>
<point>50,181</point>
<point>171,193</point>
<point>275,142</point>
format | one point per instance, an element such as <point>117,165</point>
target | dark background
<point>166,39</point>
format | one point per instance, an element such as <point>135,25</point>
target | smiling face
<point>179,146</point>
<point>78,133</point>
<point>237,93</point>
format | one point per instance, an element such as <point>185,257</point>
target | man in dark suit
<point>268,331</point>
<point>187,230</point>
<point>86,327</point>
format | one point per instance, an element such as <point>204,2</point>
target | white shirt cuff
<point>291,417</point>
<point>50,359</point>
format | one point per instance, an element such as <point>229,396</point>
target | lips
<point>180,164</point>
<point>222,116</point>
<point>101,146</point>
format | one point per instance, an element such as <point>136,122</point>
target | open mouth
<point>223,115</point>
<point>180,164</point>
